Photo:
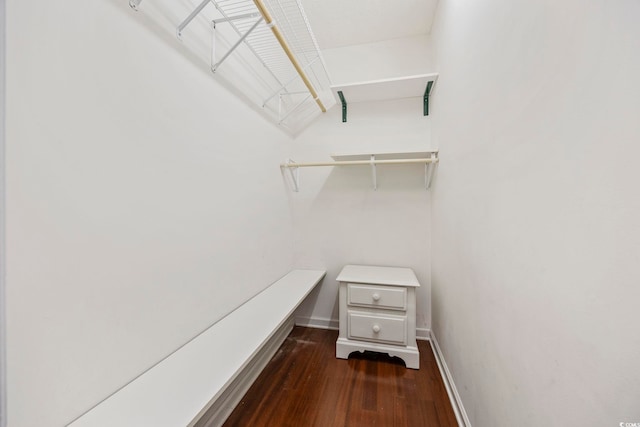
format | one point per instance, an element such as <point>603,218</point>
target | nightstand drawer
<point>391,329</point>
<point>393,298</point>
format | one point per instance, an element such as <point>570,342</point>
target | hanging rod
<point>429,165</point>
<point>358,162</point>
<point>285,46</point>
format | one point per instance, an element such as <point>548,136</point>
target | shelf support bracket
<point>428,170</point>
<point>374,175</point>
<point>344,106</point>
<point>198,9</point>
<point>427,92</point>
<point>236,17</point>
<point>244,36</point>
<point>284,86</point>
<point>298,105</point>
<point>135,4</point>
<point>190,17</point>
<point>295,175</point>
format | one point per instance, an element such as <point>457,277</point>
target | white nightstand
<point>378,312</point>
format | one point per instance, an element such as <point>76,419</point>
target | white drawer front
<point>391,329</point>
<point>377,296</point>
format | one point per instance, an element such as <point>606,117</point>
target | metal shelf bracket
<point>298,105</point>
<point>215,66</point>
<point>429,169</point>
<point>294,173</point>
<point>374,172</point>
<point>189,18</point>
<point>282,90</point>
<point>427,92</point>
<point>344,106</point>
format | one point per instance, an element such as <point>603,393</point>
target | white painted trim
<point>224,405</point>
<point>318,323</point>
<point>452,391</point>
<point>423,334</point>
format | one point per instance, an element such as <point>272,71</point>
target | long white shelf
<point>208,371</point>
<point>385,89</point>
<point>385,155</point>
<point>429,158</point>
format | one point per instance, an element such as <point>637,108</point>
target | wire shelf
<point>268,52</point>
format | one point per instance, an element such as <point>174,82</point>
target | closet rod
<point>285,46</point>
<point>358,162</point>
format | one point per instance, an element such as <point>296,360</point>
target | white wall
<point>405,56</point>
<point>130,229</point>
<point>536,238</point>
<point>338,218</point>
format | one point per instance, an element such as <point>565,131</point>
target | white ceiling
<point>338,23</point>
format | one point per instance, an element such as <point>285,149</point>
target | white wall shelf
<point>386,89</point>
<point>429,158</point>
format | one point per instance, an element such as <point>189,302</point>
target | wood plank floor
<point>305,385</point>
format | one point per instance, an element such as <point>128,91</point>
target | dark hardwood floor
<point>305,385</point>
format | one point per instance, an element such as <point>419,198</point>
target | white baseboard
<point>223,406</point>
<point>423,334</point>
<point>318,323</point>
<point>452,391</point>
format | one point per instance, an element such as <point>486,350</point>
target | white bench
<point>212,372</point>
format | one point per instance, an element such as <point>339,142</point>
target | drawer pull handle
<point>376,328</point>
<point>376,296</point>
